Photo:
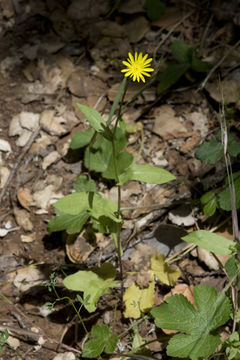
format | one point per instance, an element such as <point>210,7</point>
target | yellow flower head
<point>137,66</point>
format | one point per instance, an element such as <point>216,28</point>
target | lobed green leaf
<point>177,313</point>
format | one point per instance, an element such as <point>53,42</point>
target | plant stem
<point>77,312</point>
<point>119,225</point>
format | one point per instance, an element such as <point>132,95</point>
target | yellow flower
<point>137,66</point>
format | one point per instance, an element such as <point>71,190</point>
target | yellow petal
<point>146,62</point>
<point>131,59</point>
<point>142,78</point>
<point>145,57</point>
<point>126,63</point>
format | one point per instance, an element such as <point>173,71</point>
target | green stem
<point>71,302</point>
<point>119,225</point>
<point>78,314</point>
<point>6,299</point>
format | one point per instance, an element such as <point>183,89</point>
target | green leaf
<point>182,52</point>
<point>210,151</point>
<point>210,241</point>
<point>111,345</point>
<point>116,100</point>
<point>224,197</point>
<point>155,9</point>
<point>231,269</point>
<point>101,152</point>
<point>103,207</point>
<point>123,160</point>
<point>71,223</point>
<point>92,286</point>
<point>147,173</point>
<point>102,341</point>
<point>96,120</point>
<point>209,202</point>
<point>199,339</point>
<point>106,272</point>
<point>83,184</point>
<point>199,65</point>
<point>74,204</point>
<point>81,139</point>
<point>170,76</point>
<point>233,146</point>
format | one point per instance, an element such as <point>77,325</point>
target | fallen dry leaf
<point>167,125</point>
<point>51,158</point>
<point>23,219</point>
<point>4,175</point>
<point>27,277</point>
<point>28,238</point>
<point>5,146</point>
<point>137,28</point>
<point>44,198</point>
<point>143,278</point>
<point>52,124</point>
<point>166,274</point>
<point>25,197</point>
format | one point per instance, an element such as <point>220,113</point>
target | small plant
<point>183,54</point>
<point>211,151</point>
<point>104,147</point>
<point>104,153</point>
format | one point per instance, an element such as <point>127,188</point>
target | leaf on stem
<point>198,339</point>
<point>210,241</point>
<point>147,173</point>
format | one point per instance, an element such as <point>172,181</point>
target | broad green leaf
<point>106,272</point>
<point>76,203</point>
<point>147,173</point>
<point>73,204</point>
<point>199,339</point>
<point>138,300</point>
<point>104,207</point>
<point>181,52</point>
<point>233,146</point>
<point>95,120</point>
<point>210,241</point>
<point>199,65</point>
<point>210,151</point>
<point>99,159</point>
<point>224,197</point>
<point>92,286</point>
<point>155,9</point>
<point>71,223</point>
<point>231,269</point>
<point>170,76</point>
<point>123,160</point>
<point>83,184</point>
<point>81,139</point>
<point>209,202</point>
<point>111,345</point>
<point>101,152</point>
<point>166,274</point>
<point>101,341</point>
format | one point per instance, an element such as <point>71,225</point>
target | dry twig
<point>18,162</point>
